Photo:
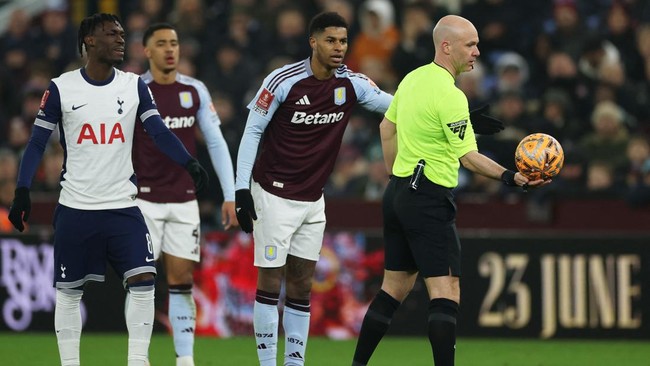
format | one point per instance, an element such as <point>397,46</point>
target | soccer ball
<point>539,156</point>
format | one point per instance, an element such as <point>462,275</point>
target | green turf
<point>110,350</point>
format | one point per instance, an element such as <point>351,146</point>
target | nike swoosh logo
<point>75,107</point>
<point>148,259</point>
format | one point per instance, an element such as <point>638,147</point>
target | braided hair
<point>88,25</point>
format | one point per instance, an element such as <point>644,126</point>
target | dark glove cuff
<point>508,178</point>
<point>190,163</point>
<point>21,192</point>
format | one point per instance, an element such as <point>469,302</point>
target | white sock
<point>265,323</point>
<point>185,361</point>
<point>139,314</point>
<point>296,332</point>
<point>67,324</point>
<point>182,316</point>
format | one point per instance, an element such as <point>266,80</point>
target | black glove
<point>20,208</point>
<point>198,174</point>
<point>484,124</point>
<point>245,209</point>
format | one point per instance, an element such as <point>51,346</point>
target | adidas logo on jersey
<point>303,101</point>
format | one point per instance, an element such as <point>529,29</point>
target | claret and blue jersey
<point>303,120</point>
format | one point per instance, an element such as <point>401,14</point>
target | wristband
<point>508,178</point>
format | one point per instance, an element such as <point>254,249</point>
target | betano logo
<point>179,122</point>
<point>317,118</point>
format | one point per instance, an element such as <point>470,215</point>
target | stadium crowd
<point>578,70</point>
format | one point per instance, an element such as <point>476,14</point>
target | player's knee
<point>142,277</point>
<point>299,288</point>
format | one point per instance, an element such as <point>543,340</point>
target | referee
<point>425,132</point>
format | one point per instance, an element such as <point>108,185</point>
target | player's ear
<point>89,41</point>
<point>312,43</point>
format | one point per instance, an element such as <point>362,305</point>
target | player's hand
<point>245,209</point>
<point>198,174</point>
<point>484,124</point>
<point>228,216</point>
<point>20,208</point>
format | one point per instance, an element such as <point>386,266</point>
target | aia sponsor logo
<point>101,135</point>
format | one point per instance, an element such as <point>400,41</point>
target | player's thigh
<point>182,231</point>
<point>155,216</point>
<point>79,247</point>
<point>278,219</point>
<point>129,246</point>
<point>428,218</point>
<point>307,241</point>
<point>397,252</point>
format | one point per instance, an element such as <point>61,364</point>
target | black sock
<point>442,330</point>
<point>374,326</point>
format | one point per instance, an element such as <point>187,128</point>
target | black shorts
<point>420,229</point>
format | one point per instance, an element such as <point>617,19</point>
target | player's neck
<point>447,66</point>
<point>320,71</point>
<point>98,71</point>
<point>163,77</point>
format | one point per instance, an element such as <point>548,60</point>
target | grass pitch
<point>110,350</point>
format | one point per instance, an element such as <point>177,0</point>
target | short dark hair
<point>88,25</point>
<point>152,29</point>
<point>326,19</point>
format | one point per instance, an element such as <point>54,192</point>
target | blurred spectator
<point>511,110</point>
<point>375,181</point>
<point>231,118</point>
<point>497,22</point>
<point>56,39</point>
<point>188,17</point>
<point>620,31</point>
<point>608,142</point>
<point>289,37</point>
<point>637,153</point>
<point>568,32</point>
<point>562,74</point>
<point>8,164</point>
<point>344,180</point>
<point>231,71</point>
<point>556,118</point>
<point>512,74</point>
<point>374,45</point>
<point>415,47</point>
<point>614,86</point>
<point>474,86</point>
<point>18,134</point>
<point>346,10</point>
<point>638,195</point>
<point>601,181</point>
<point>48,178</point>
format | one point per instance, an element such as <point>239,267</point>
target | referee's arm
<point>388,133</point>
<point>481,164</point>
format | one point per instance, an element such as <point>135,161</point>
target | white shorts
<point>285,227</point>
<point>174,228</point>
